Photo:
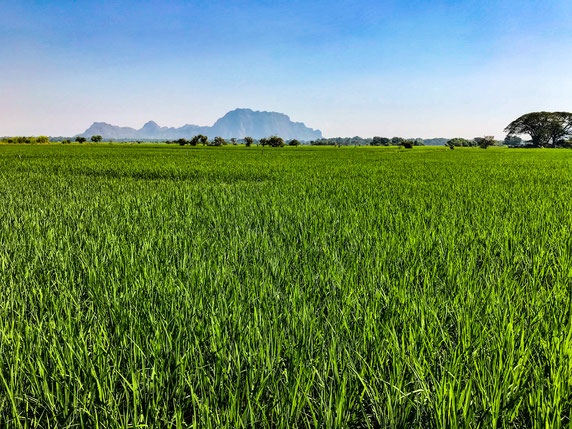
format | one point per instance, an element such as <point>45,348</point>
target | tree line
<point>273,141</point>
<point>546,129</point>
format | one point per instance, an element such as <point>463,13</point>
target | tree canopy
<point>219,141</point>
<point>276,141</point>
<point>485,142</point>
<point>544,128</point>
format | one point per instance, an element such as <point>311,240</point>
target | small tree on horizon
<point>96,139</point>
<point>486,141</point>
<point>249,141</point>
<point>276,141</point>
<point>294,142</point>
<point>219,141</point>
<point>408,144</point>
<point>80,139</point>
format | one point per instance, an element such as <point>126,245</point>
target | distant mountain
<point>237,123</point>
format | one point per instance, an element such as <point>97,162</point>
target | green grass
<point>159,286</point>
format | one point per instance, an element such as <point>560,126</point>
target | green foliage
<point>80,139</point>
<point>25,140</point>
<point>155,286</point>
<point>460,142</point>
<point>276,141</point>
<point>543,127</point>
<point>380,141</point>
<point>96,139</point>
<point>408,144</point>
<point>293,142</point>
<point>248,141</point>
<point>485,142</point>
<point>511,140</point>
<point>218,141</point>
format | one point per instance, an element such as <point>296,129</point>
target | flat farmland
<point>166,286</point>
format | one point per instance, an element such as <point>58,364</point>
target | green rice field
<point>165,286</point>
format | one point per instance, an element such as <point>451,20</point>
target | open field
<point>163,286</point>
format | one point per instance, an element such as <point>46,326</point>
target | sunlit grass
<point>163,286</point>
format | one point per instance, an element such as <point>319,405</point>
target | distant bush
<point>26,140</point>
<point>460,142</point>
<point>408,144</point>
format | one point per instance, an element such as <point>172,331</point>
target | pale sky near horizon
<point>415,68</point>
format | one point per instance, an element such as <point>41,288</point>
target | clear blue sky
<point>407,68</point>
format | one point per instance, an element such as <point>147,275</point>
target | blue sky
<point>407,68</point>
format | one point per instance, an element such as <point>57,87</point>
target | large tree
<point>560,126</point>
<point>542,127</point>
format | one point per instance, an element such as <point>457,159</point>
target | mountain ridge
<point>237,123</point>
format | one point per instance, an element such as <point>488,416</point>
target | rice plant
<point>162,286</point>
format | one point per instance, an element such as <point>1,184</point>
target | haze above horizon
<point>415,69</point>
